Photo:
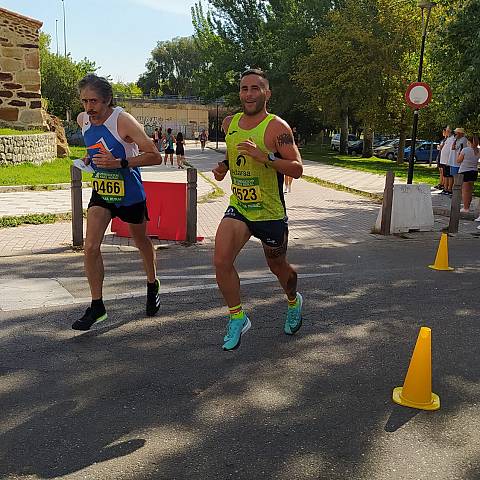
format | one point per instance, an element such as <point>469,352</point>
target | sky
<point>118,35</point>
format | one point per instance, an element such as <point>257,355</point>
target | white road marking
<point>33,293</point>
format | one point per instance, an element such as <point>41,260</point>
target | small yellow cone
<point>417,387</point>
<point>441,260</point>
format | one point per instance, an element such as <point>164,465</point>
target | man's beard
<point>259,106</point>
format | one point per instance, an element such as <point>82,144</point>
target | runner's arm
<point>132,132</point>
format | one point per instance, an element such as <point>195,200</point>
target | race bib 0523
<point>247,191</point>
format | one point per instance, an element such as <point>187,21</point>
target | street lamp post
<point>216,129</point>
<point>64,28</point>
<point>56,34</point>
<point>426,7</point>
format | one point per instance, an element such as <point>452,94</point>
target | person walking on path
<point>260,151</point>
<point>169,141</point>
<point>289,180</point>
<point>468,160</point>
<point>113,139</point>
<point>180,150</point>
<point>203,139</point>
<point>156,138</point>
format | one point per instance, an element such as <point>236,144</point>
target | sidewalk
<point>316,214</point>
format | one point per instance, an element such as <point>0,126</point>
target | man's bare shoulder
<point>226,122</point>
<point>80,119</point>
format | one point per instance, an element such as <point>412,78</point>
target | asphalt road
<point>157,398</point>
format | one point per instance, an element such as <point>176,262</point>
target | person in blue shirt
<point>114,139</point>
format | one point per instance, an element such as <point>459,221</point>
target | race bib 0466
<point>110,186</point>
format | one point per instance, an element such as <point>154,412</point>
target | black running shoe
<point>88,320</point>
<point>153,299</point>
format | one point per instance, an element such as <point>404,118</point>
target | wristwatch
<point>271,156</point>
<point>124,163</point>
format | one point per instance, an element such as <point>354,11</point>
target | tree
<point>122,89</point>
<point>357,64</point>
<point>60,76</point>
<point>456,58</point>
<point>172,68</point>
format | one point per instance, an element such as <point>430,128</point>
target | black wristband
<point>225,162</point>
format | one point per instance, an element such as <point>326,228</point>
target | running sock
<point>292,303</point>
<point>236,313</point>
<point>152,287</point>
<point>98,308</point>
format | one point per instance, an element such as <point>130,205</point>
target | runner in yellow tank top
<point>260,151</point>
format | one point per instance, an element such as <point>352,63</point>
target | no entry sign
<point>418,95</point>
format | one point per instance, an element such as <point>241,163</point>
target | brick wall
<point>20,97</point>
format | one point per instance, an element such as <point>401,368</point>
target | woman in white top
<point>468,161</point>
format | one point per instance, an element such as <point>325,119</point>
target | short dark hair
<point>169,130</point>
<point>100,84</point>
<point>256,71</point>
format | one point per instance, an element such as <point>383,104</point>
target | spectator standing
<point>446,132</point>
<point>459,143</point>
<point>156,138</point>
<point>445,152</point>
<point>468,160</point>
<point>180,150</point>
<point>289,180</point>
<point>169,140</point>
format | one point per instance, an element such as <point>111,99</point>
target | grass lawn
<point>57,171</point>
<point>11,131</point>
<point>421,174</point>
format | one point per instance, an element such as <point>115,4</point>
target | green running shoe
<point>235,330</point>
<point>294,317</point>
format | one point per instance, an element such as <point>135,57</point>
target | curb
<point>42,188</point>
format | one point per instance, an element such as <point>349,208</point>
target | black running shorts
<point>136,213</point>
<point>272,233</point>
<point>470,176</point>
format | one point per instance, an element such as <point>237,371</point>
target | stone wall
<point>20,97</point>
<point>39,148</point>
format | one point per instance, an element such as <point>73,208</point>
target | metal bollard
<point>191,205</point>
<point>77,206</point>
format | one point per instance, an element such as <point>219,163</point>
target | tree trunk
<point>344,132</point>
<point>367,142</point>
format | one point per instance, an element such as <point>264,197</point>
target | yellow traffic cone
<point>417,387</point>
<point>441,260</point>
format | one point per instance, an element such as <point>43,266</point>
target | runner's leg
<point>277,261</point>
<point>145,247</point>
<point>98,219</point>
<point>230,238</point>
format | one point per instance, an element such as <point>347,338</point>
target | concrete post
<point>456,200</point>
<point>77,206</point>
<point>191,205</point>
<point>387,204</point>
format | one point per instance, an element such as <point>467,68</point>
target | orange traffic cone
<point>441,260</point>
<point>417,387</point>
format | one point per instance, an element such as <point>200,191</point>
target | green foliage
<point>360,62</point>
<point>122,89</point>
<point>33,219</point>
<point>56,171</point>
<point>456,58</point>
<point>268,34</point>
<point>60,76</point>
<point>172,68</point>
<point>12,131</point>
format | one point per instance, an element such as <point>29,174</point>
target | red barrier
<point>167,209</point>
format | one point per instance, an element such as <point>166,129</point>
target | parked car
<point>335,145</point>
<point>387,149</point>
<point>422,152</point>
<point>356,148</point>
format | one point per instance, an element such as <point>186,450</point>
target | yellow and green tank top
<point>257,189</point>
